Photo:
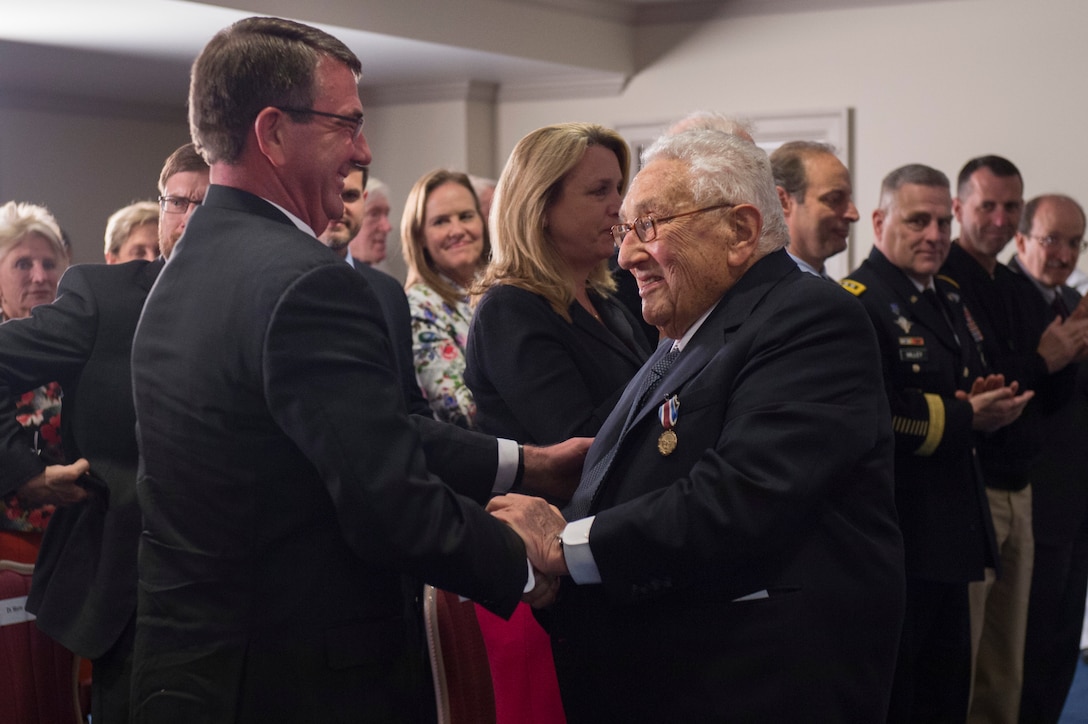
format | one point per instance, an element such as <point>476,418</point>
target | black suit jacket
<point>1010,315</point>
<point>538,378</point>
<point>943,509</point>
<point>84,589</point>
<point>279,512</point>
<point>398,318</point>
<point>1059,473</point>
<point>781,482</point>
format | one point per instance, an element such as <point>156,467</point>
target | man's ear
<point>1021,243</point>
<point>784,199</point>
<point>747,228</point>
<point>878,223</point>
<point>270,127</point>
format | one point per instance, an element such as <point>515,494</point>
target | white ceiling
<point>139,51</point>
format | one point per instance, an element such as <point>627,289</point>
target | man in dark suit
<point>282,518</point>
<point>84,588</point>
<point>940,396</point>
<point>1048,243</point>
<point>740,560</point>
<point>391,297</point>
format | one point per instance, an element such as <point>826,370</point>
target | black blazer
<point>781,482</point>
<point>540,379</point>
<point>398,318</point>
<point>943,509</point>
<point>84,588</point>
<point>1059,473</point>
<point>280,513</point>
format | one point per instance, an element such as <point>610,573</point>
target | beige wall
<point>934,82</point>
<point>83,163</point>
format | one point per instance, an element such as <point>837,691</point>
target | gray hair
<point>913,173</point>
<point>726,167</point>
<point>711,121</point>
<point>123,221</point>
<point>374,185</point>
<point>19,220</point>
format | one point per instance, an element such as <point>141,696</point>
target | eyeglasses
<point>355,121</point>
<point>645,227</point>
<point>1051,242</point>
<point>177,204</point>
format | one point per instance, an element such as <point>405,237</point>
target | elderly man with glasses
<point>1048,244</point>
<point>732,552</point>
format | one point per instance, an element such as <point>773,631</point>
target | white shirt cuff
<point>507,470</point>
<point>576,552</point>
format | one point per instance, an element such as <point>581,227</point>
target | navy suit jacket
<point>780,486</point>
<point>84,588</point>
<point>280,514</point>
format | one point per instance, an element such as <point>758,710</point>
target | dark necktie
<point>582,500</point>
<point>934,301</point>
<point>1058,305</point>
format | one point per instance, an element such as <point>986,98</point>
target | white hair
<point>726,167</point>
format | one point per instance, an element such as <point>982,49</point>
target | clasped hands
<point>539,524</point>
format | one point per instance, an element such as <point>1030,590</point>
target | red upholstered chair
<point>37,675</point>
<point>459,664</point>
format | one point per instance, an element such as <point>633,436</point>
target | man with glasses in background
<point>1048,243</point>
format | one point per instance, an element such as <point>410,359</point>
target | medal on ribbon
<point>668,414</point>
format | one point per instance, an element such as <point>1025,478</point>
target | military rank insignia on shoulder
<point>855,288</point>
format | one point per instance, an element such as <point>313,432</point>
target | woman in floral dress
<point>32,259</point>
<point>445,243</point>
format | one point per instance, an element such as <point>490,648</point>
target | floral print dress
<point>439,333</point>
<point>39,412</point>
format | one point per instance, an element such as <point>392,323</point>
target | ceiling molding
<point>564,87</point>
<point>471,90</point>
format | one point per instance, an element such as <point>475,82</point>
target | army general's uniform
<point>930,350</point>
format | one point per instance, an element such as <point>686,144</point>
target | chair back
<point>459,663</point>
<point>37,675</point>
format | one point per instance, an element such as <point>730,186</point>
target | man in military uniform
<point>939,396</point>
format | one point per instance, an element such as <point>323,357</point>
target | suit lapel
<point>728,315</point>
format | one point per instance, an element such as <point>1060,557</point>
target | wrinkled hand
<point>1064,342</point>
<point>996,408</point>
<point>545,589</point>
<point>55,486</point>
<point>554,471</point>
<point>539,525</point>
